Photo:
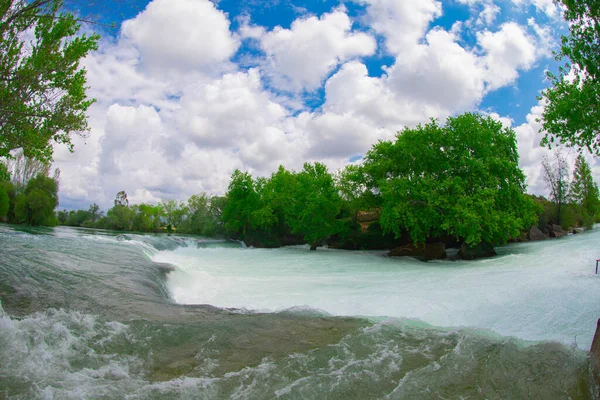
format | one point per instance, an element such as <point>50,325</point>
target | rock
<point>556,231</point>
<point>595,349</point>
<point>435,251</point>
<point>578,230</point>
<point>481,250</point>
<point>536,234</point>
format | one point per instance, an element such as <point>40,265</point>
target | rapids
<point>95,314</point>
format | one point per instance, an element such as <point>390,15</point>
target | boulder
<point>578,230</point>
<point>482,250</point>
<point>556,231</point>
<point>536,234</point>
<point>434,251</point>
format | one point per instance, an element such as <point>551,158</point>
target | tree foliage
<point>572,110</point>
<point>315,206</point>
<point>42,87</point>
<point>35,206</point>
<point>460,179</point>
<point>584,190</point>
<point>558,181</point>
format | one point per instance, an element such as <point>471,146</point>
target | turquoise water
<point>93,314</point>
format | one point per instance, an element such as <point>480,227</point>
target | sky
<point>190,90</point>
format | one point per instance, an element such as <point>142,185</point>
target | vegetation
<point>42,87</point>
<point>556,176</point>
<point>571,112</point>
<point>461,179</point>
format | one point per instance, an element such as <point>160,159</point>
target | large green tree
<point>572,110</point>
<point>42,86</point>
<point>460,179</point>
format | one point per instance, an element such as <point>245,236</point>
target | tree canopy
<point>42,86</point>
<point>460,179</point>
<point>572,104</point>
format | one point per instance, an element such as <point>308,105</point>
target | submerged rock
<point>536,234</point>
<point>482,250</point>
<point>434,251</point>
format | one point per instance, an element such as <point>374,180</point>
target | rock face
<point>556,231</point>
<point>536,234</point>
<point>435,251</point>
<point>481,250</point>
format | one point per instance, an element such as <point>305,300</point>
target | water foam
<point>533,291</point>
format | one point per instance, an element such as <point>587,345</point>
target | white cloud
<point>507,50</point>
<point>547,6</point>
<point>402,23</point>
<point>302,56</point>
<point>175,117</point>
<point>181,34</point>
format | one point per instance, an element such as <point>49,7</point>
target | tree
<point>461,179</point>
<point>121,199</point>
<point>22,169</point>
<point>94,212</point>
<point>174,212</point>
<point>572,109</point>
<point>584,191</point>
<point>242,201</point>
<point>42,87</point>
<point>35,206</point>
<point>556,176</point>
<point>315,205</point>
<point>4,203</point>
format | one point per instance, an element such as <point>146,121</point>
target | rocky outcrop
<point>536,234</point>
<point>433,251</point>
<point>555,231</point>
<point>481,250</point>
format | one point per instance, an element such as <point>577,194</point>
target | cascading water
<point>91,314</point>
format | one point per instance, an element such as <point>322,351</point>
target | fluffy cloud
<point>175,115</point>
<point>181,34</point>
<point>507,51</point>
<point>401,23</point>
<point>302,56</point>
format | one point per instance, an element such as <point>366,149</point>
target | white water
<point>533,291</point>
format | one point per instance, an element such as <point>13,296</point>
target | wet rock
<point>432,251</point>
<point>536,234</point>
<point>482,250</point>
<point>578,230</point>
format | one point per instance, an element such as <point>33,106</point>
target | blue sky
<point>189,90</point>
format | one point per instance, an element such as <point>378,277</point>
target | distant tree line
<point>458,182</point>
<point>200,215</point>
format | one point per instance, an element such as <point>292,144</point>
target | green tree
<point>315,205</point>
<point>35,206</point>
<point>584,190</point>
<point>558,181</point>
<point>572,109</point>
<point>461,179</point>
<point>42,87</point>
<point>4,203</point>
<point>242,201</point>
<point>174,212</point>
<point>95,212</point>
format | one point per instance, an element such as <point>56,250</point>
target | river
<point>95,314</point>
